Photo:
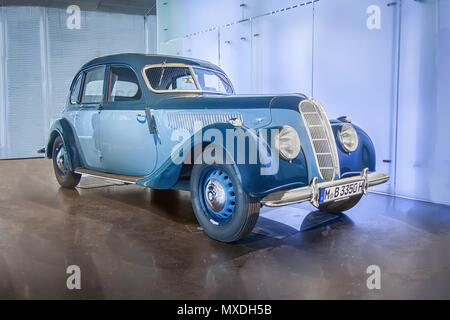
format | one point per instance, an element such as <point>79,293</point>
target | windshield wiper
<point>163,68</point>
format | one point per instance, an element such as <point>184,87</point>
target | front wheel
<point>221,206</point>
<point>60,158</point>
<point>340,206</point>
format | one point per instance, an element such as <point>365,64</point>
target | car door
<point>127,146</point>
<point>87,118</point>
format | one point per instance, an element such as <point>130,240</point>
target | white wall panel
<point>178,18</point>
<point>423,168</point>
<point>440,188</point>
<point>282,55</point>
<point>255,8</point>
<point>172,47</point>
<point>355,69</point>
<point>151,43</point>
<point>235,55</point>
<point>205,46</point>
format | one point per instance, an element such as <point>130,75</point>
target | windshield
<point>167,78</point>
<point>212,81</point>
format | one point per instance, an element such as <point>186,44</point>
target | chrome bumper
<point>312,192</point>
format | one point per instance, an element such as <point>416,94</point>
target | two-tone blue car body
<point>149,119</point>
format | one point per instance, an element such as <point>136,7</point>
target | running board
<point>109,176</point>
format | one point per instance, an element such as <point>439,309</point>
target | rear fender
<point>62,127</point>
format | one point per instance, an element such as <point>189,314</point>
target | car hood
<point>261,106</point>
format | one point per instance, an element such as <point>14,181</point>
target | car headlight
<point>287,143</point>
<point>348,138</point>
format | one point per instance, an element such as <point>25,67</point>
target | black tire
<point>66,178</point>
<point>340,206</point>
<point>246,208</point>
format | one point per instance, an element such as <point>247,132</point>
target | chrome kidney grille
<point>322,138</point>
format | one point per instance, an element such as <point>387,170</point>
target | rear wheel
<point>65,177</point>
<point>221,206</point>
<point>336,207</point>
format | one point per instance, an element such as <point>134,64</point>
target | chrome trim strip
<point>194,77</point>
<point>312,192</point>
<point>109,176</point>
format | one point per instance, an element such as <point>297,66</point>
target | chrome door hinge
<point>152,127</point>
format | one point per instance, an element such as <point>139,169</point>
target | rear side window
<point>123,85</point>
<point>93,86</point>
<point>75,94</point>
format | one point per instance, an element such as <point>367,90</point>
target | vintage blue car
<point>169,122</point>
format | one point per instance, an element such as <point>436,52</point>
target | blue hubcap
<point>217,195</point>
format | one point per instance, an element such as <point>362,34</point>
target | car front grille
<point>322,139</point>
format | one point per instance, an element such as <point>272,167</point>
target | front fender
<point>251,175</point>
<point>363,157</point>
<point>168,174</point>
<point>62,127</point>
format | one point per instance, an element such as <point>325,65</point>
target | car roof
<point>139,60</point>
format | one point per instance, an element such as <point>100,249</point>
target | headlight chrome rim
<point>287,143</point>
<point>346,133</point>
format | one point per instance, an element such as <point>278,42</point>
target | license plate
<point>341,192</point>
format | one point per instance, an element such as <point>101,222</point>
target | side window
<point>123,85</point>
<point>75,94</point>
<point>93,86</point>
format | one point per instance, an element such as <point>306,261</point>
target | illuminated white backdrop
<point>384,63</point>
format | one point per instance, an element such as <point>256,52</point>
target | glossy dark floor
<point>131,242</point>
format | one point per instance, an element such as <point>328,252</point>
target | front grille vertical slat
<point>322,139</point>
